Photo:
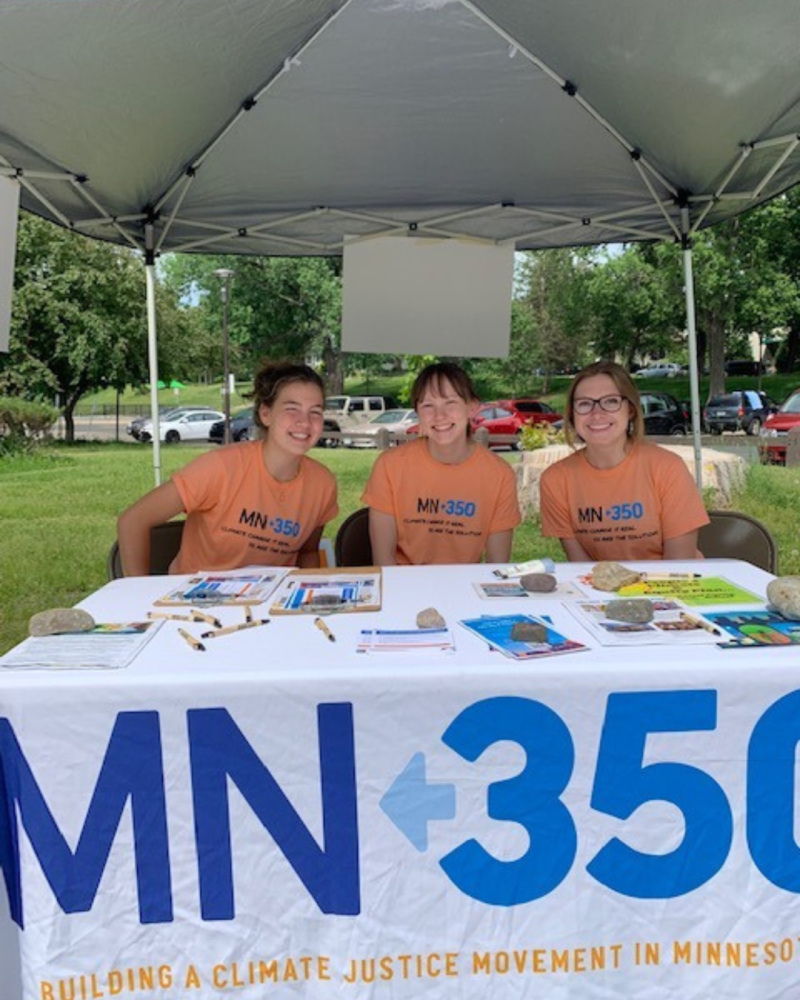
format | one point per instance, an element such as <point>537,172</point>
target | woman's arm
<point>134,524</point>
<point>682,547</point>
<point>498,546</point>
<point>383,536</point>
<point>308,556</point>
<point>575,552</point>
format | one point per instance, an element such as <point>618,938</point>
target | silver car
<point>393,421</point>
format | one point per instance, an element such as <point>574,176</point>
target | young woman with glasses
<point>617,497</point>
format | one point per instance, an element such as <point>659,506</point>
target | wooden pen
<point>235,628</point>
<point>194,643</point>
<point>195,616</point>
<point>324,629</point>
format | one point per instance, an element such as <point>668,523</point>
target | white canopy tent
<point>281,126</point>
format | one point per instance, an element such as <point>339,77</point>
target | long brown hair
<point>625,387</point>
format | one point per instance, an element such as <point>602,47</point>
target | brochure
<point>417,640</point>
<point>223,588</point>
<point>496,630</point>
<point>753,629</point>
<point>318,591</point>
<point>671,623</point>
<point>108,646</point>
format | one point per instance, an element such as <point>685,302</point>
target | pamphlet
<point>234,588</point>
<point>754,629</point>
<point>496,630</point>
<point>417,640</point>
<point>494,589</point>
<point>319,591</point>
<point>108,646</point>
<point>671,623</point>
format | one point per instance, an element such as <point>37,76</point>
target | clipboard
<point>329,591</point>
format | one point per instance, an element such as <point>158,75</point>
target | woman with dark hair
<point>442,498</point>
<point>252,503</point>
<point>617,497</point>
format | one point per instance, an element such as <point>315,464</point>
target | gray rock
<point>58,620</point>
<point>783,593</point>
<point>538,583</point>
<point>430,618</point>
<point>612,576</point>
<point>528,632</point>
<point>636,610</point>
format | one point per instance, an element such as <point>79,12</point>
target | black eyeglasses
<point>585,404</point>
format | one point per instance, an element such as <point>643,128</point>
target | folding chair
<point>732,535</point>
<point>165,540</point>
<point>352,545</point>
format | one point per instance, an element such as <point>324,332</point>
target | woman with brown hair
<point>617,497</point>
<point>253,503</point>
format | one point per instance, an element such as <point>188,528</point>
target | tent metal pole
<point>691,329</point>
<point>152,349</point>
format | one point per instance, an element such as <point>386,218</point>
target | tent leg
<point>152,356</point>
<point>691,329</point>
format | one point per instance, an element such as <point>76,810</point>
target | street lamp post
<point>225,275</point>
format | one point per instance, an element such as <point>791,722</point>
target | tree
<point>78,321</point>
<point>279,306</point>
<point>633,307</point>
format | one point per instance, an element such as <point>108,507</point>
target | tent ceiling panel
<point>282,126</point>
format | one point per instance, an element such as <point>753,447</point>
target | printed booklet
<point>496,630</point>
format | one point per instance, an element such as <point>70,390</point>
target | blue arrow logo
<point>411,803</point>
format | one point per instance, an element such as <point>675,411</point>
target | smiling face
<point>444,417</point>
<point>294,420</point>
<point>601,428</point>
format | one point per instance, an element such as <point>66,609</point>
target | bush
<point>24,424</point>
<point>539,436</point>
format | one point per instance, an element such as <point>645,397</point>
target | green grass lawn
<point>59,508</point>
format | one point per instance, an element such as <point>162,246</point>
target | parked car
<point>508,417</point>
<point>243,428</point>
<point>659,369</point>
<point>530,411</point>
<point>342,412</point>
<point>182,425</point>
<point>775,431</point>
<point>393,421</point>
<point>664,414</point>
<point>134,428</point>
<point>743,410</point>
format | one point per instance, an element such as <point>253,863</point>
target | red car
<point>772,439</point>
<point>509,416</point>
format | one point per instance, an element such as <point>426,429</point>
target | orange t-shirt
<point>444,513</point>
<point>238,515</point>
<point>622,513</point>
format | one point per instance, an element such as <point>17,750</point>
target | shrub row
<point>24,423</point>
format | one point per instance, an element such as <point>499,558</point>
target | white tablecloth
<point>280,813</point>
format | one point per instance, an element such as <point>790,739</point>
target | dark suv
<point>744,410</point>
<point>663,414</point>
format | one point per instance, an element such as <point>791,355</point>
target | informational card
<point>416,640</point>
<point>108,646</point>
